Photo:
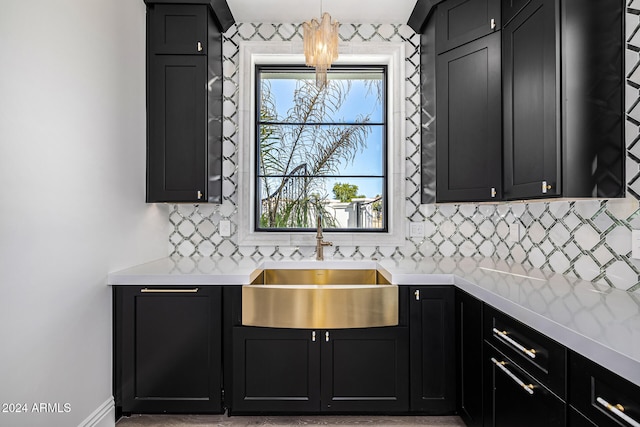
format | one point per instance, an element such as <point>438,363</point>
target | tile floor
<point>283,421</point>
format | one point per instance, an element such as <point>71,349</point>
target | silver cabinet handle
<point>326,336</point>
<point>417,294</point>
<point>493,192</point>
<point>313,336</point>
<point>199,47</point>
<point>493,24</point>
<point>169,291</point>
<point>503,336</point>
<point>618,410</point>
<point>199,194</point>
<point>527,387</point>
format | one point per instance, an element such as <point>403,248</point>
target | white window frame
<point>392,55</point>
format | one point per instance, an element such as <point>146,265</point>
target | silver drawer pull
<point>326,336</point>
<point>503,336</point>
<point>169,291</point>
<point>527,387</point>
<point>618,410</point>
<point>313,336</point>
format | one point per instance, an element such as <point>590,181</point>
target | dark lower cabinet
<point>431,325</point>
<point>515,398</point>
<point>468,352</point>
<point>300,370</point>
<point>600,397</point>
<point>275,370</point>
<point>365,370</point>
<point>167,345</point>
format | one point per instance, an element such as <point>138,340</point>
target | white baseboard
<point>104,416</point>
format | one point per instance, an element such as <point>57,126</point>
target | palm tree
<point>296,151</point>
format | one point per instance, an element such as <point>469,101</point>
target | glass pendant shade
<point>321,45</point>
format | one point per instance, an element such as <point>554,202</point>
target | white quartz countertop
<point>599,322</point>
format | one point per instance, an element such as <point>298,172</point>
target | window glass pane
<point>321,149</point>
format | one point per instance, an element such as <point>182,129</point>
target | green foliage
<point>297,154</point>
<point>345,192</point>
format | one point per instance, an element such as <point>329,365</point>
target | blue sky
<point>359,102</point>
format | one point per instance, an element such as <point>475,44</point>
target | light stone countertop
<point>596,321</point>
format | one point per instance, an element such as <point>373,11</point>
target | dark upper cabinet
<point>531,139</point>
<point>184,100</point>
<point>561,101</point>
<point>432,362</point>
<point>469,115</point>
<point>167,349</point>
<point>178,29</point>
<point>469,360</point>
<point>176,152</point>
<point>461,21</point>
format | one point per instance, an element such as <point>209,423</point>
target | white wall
<point>72,144</point>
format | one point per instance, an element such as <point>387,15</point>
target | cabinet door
<point>469,358</point>
<point>513,398</point>
<point>469,117</point>
<point>531,132</point>
<point>365,370</point>
<point>461,21</point>
<point>431,328</point>
<point>275,370</point>
<point>177,29</point>
<point>177,141</point>
<point>168,349</point>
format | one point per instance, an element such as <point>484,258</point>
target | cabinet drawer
<point>539,355</point>
<point>515,398</point>
<point>603,397</point>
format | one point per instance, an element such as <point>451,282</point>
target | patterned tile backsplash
<point>589,239</point>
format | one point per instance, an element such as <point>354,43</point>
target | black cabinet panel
<point>510,8</point>
<point>177,144</point>
<point>178,29</point>
<point>469,137</point>
<point>432,349</point>
<point>184,103</point>
<point>592,387</point>
<point>275,370</point>
<point>512,404</point>
<point>469,346</point>
<point>168,350</point>
<point>366,370</point>
<point>461,21</point>
<point>531,132</point>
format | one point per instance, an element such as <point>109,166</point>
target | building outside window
<point>321,150</point>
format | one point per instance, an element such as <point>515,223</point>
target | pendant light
<point>321,45</point>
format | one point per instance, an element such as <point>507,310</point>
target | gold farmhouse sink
<point>319,299</point>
